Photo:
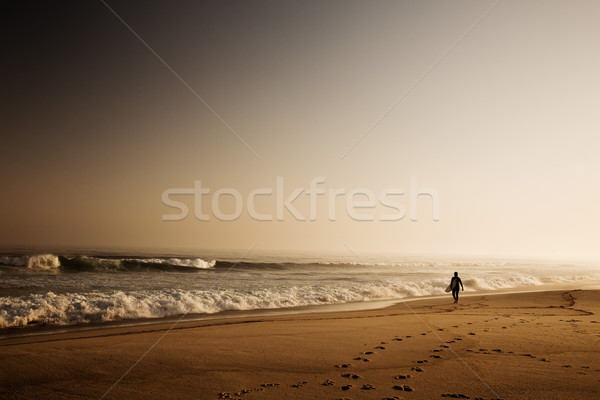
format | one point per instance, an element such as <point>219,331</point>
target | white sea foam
<point>62,309</point>
<point>43,261</point>
<point>179,262</point>
<point>502,283</point>
<point>71,308</point>
<point>52,262</point>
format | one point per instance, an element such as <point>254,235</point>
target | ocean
<point>69,289</point>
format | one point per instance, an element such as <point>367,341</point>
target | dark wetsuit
<point>456,288</point>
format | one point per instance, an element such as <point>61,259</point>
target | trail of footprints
<point>400,385</point>
<point>349,377</point>
<point>352,377</point>
<point>236,396</point>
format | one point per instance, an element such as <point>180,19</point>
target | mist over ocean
<point>55,289</point>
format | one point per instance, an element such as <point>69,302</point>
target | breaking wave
<point>67,308</point>
<point>38,261</point>
<point>72,308</point>
<point>55,289</point>
<point>45,262</point>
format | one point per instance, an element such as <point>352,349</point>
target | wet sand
<point>542,345</point>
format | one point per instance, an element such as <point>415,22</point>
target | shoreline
<point>49,329</point>
<point>524,345</point>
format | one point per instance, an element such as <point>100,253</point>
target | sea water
<point>66,289</point>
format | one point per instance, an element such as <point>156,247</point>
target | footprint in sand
<point>353,376</point>
<point>397,339</point>
<point>342,366</point>
<point>417,369</point>
<point>455,395</point>
<point>380,347</point>
<point>346,387</point>
<point>367,386</point>
<point>400,377</point>
<point>328,382</point>
<point>243,392</point>
<point>435,356</point>
<point>299,384</point>
<point>225,395</point>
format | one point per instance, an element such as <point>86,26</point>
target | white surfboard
<point>451,286</point>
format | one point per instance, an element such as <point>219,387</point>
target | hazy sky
<point>505,127</point>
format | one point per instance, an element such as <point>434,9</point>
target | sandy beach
<point>541,345</point>
<point>259,200</point>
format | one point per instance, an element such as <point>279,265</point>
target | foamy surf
<point>87,263</point>
<point>37,261</point>
<point>49,289</point>
<point>73,308</point>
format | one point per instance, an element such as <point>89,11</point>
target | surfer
<point>454,286</point>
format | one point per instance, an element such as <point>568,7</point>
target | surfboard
<point>451,285</point>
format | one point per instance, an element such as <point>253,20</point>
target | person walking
<point>454,286</point>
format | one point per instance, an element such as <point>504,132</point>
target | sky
<point>490,107</point>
